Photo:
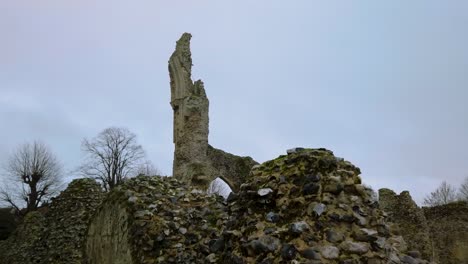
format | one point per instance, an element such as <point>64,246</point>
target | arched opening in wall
<point>219,186</point>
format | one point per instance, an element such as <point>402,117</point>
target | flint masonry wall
<point>439,233</point>
<point>195,162</point>
<point>304,207</point>
<point>408,219</point>
<point>107,238</point>
<point>448,225</point>
<point>155,220</point>
<point>58,235</point>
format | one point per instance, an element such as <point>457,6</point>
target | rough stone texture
<point>305,207</point>
<point>323,211</point>
<point>408,219</point>
<point>58,235</point>
<point>230,168</point>
<point>195,162</point>
<point>190,105</point>
<point>20,246</point>
<point>156,220</point>
<point>448,226</point>
<point>109,230</point>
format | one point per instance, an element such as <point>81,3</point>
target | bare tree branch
<point>444,194</point>
<point>147,169</point>
<point>112,156</point>
<point>463,190</point>
<point>32,175</point>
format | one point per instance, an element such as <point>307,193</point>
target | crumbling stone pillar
<point>195,161</point>
<point>190,105</point>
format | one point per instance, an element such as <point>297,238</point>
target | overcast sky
<point>383,85</point>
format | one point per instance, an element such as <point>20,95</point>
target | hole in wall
<point>220,187</point>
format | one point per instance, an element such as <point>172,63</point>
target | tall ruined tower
<point>196,162</point>
<point>190,105</point>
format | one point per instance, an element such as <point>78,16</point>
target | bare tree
<point>444,194</point>
<point>220,187</point>
<point>112,156</point>
<point>147,169</point>
<point>463,190</point>
<point>33,175</point>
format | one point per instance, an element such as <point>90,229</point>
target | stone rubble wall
<point>58,235</point>
<point>307,207</point>
<point>304,207</point>
<point>438,233</point>
<point>155,220</point>
<point>409,221</point>
<point>448,225</point>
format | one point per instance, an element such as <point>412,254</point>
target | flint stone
<point>312,178</point>
<point>379,243</point>
<point>183,230</point>
<point>256,166</point>
<point>133,199</point>
<point>232,197</point>
<point>299,227</point>
<point>365,235</point>
<point>272,217</point>
<point>211,258</point>
<point>393,258</point>
<point>330,252</point>
<point>294,150</point>
<point>288,252</point>
<point>319,209</point>
<point>310,188</point>
<point>408,260</point>
<point>264,191</point>
<point>414,254</point>
<point>360,219</point>
<point>333,188</point>
<point>264,244</point>
<point>142,213</point>
<point>355,247</point>
<point>310,253</point>
<point>216,245</point>
<point>334,237</point>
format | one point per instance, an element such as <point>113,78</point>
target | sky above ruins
<point>384,85</point>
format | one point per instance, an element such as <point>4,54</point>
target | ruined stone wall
<point>439,233</point>
<point>230,168</point>
<point>309,207</point>
<point>107,238</point>
<point>448,226</point>
<point>155,220</point>
<point>195,162</point>
<point>305,207</point>
<point>57,236</point>
<point>408,219</point>
<point>190,106</point>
